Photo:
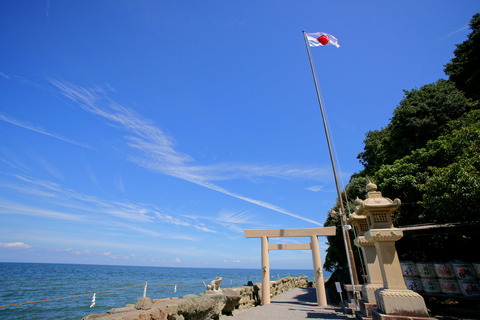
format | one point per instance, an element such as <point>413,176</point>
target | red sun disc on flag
<point>323,40</point>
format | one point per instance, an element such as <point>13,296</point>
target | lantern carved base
<point>368,292</point>
<point>366,309</point>
<point>377,315</point>
<point>405,303</point>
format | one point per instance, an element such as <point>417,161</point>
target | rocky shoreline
<point>205,306</point>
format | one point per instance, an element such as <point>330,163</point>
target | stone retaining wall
<point>205,306</point>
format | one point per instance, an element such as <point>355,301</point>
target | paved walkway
<point>298,303</point>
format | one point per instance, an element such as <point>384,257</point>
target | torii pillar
<point>313,233</point>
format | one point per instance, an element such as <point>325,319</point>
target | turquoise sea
<point>29,282</point>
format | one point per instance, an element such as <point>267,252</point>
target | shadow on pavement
<point>308,296</point>
<point>308,299</point>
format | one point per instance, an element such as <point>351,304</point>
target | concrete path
<point>298,303</point>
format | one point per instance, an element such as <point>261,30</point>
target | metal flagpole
<point>346,237</point>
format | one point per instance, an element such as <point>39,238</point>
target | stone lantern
<point>394,299</point>
<point>374,274</point>
<point>359,223</point>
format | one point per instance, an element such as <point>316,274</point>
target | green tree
<point>464,68</point>
<point>433,181</point>
<point>336,253</point>
<point>336,259</point>
<point>428,156</point>
<point>421,116</point>
<point>454,181</point>
<point>438,184</point>
<point>374,151</point>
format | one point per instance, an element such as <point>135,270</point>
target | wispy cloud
<point>315,188</point>
<point>12,160</point>
<point>72,200</point>
<point>9,207</point>
<point>47,9</point>
<point>157,150</point>
<point>33,128</point>
<point>4,75</point>
<point>51,169</point>
<point>227,171</point>
<point>20,245</point>
<point>74,206</point>
<point>234,221</point>
<point>448,35</point>
<point>113,256</point>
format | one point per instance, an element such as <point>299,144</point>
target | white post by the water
<point>145,289</point>
<point>346,237</point>
<point>265,272</point>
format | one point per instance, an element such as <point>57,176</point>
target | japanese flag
<point>319,39</point>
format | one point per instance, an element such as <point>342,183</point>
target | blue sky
<point>155,132</point>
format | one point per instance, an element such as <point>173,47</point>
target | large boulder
<point>144,304</point>
<point>206,306</point>
<point>202,307</point>
<point>233,301</point>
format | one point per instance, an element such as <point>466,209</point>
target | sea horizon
<point>146,266</point>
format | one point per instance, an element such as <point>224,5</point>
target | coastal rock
<point>203,307</point>
<point>232,301</point>
<point>144,304</point>
<point>119,310</point>
<point>206,306</point>
<point>130,314</point>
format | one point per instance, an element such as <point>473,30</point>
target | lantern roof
<point>355,217</point>
<point>375,201</point>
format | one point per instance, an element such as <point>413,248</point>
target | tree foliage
<point>429,157</point>
<point>336,252</point>
<point>464,68</point>
<point>421,116</point>
<point>435,181</point>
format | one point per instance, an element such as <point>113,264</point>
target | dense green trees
<point>464,69</point>
<point>439,179</point>
<point>429,157</point>
<point>421,116</point>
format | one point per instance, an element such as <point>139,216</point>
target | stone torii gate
<point>313,233</point>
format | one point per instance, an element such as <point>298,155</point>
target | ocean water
<point>30,282</point>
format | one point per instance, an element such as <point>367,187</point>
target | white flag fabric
<point>320,39</point>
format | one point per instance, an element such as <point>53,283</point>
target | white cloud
<point>39,130</point>
<point>157,152</point>
<point>227,171</point>
<point>74,206</point>
<point>107,254</point>
<point>235,221</point>
<point>241,217</point>
<point>15,245</point>
<point>52,170</point>
<point>205,229</point>
<point>47,9</point>
<point>7,207</point>
<point>448,35</point>
<point>12,160</point>
<point>315,188</point>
